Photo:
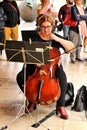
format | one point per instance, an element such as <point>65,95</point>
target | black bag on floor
<point>80,103</point>
<point>69,97</point>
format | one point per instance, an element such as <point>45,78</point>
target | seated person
<point>46,24</point>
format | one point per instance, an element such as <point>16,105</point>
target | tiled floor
<point>12,99</point>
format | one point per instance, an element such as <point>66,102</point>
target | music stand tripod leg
<point>24,94</point>
<point>24,97</point>
<point>38,100</point>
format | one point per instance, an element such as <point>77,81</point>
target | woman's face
<point>46,28</point>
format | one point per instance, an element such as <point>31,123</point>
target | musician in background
<point>46,24</point>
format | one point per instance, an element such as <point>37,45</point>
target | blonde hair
<point>45,18</point>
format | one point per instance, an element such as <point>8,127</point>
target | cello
<point>41,88</point>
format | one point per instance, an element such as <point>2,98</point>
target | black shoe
<point>79,59</point>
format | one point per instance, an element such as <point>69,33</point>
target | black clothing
<point>59,72</point>
<point>3,18</point>
<point>86,13</point>
<point>1,39</point>
<point>12,12</point>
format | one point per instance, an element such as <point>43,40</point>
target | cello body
<point>44,89</point>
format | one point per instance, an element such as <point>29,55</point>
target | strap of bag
<point>86,103</point>
<point>12,7</point>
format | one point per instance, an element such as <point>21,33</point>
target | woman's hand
<point>42,72</point>
<point>59,61</point>
<point>38,65</point>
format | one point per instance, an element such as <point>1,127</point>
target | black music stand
<point>26,34</point>
<point>28,53</point>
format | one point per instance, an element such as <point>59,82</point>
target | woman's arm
<point>68,45</point>
<point>60,14</point>
<point>76,15</point>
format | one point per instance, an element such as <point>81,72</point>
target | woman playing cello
<point>46,24</point>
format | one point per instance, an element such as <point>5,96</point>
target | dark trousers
<point>60,74</point>
<point>1,40</point>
